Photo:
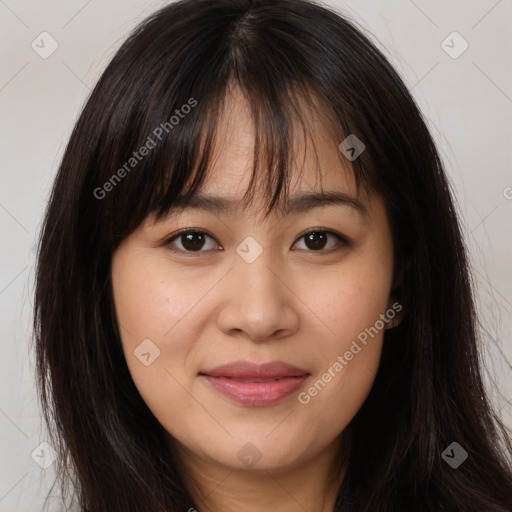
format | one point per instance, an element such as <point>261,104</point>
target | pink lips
<point>253,384</point>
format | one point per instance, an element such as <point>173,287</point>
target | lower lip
<point>256,393</point>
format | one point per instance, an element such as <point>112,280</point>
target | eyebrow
<point>295,204</point>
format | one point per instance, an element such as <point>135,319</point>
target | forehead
<point>317,163</point>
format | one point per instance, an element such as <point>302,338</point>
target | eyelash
<point>343,241</point>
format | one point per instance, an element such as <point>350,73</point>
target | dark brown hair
<point>428,391</point>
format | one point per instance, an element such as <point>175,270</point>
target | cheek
<point>350,358</point>
<point>350,306</point>
<point>148,305</point>
<point>149,301</point>
<point>351,299</point>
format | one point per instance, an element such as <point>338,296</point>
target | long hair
<point>428,392</point>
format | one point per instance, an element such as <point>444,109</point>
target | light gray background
<point>467,101</point>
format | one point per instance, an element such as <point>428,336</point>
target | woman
<point>252,290</point>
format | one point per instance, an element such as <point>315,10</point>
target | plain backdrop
<point>466,97</point>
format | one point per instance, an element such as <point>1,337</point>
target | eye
<point>316,240</point>
<point>191,240</point>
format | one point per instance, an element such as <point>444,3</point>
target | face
<point>305,289</point>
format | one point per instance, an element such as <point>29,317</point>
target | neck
<point>312,485</point>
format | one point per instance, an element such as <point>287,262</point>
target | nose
<point>257,301</point>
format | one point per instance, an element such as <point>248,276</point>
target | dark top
<point>347,497</point>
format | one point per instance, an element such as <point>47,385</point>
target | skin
<point>294,303</point>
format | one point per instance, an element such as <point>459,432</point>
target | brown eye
<point>196,241</point>
<point>190,241</point>
<point>317,240</point>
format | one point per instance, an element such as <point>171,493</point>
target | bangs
<point>284,131</point>
<point>173,111</point>
<point>284,121</point>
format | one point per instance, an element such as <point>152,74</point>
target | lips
<point>255,384</point>
<point>247,370</point>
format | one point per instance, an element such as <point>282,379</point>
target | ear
<point>395,313</point>
<point>396,310</point>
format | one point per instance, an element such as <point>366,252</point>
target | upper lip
<point>250,370</point>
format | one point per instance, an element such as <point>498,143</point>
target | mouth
<point>251,384</point>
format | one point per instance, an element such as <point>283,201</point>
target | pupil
<point>313,237</point>
<point>191,241</point>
